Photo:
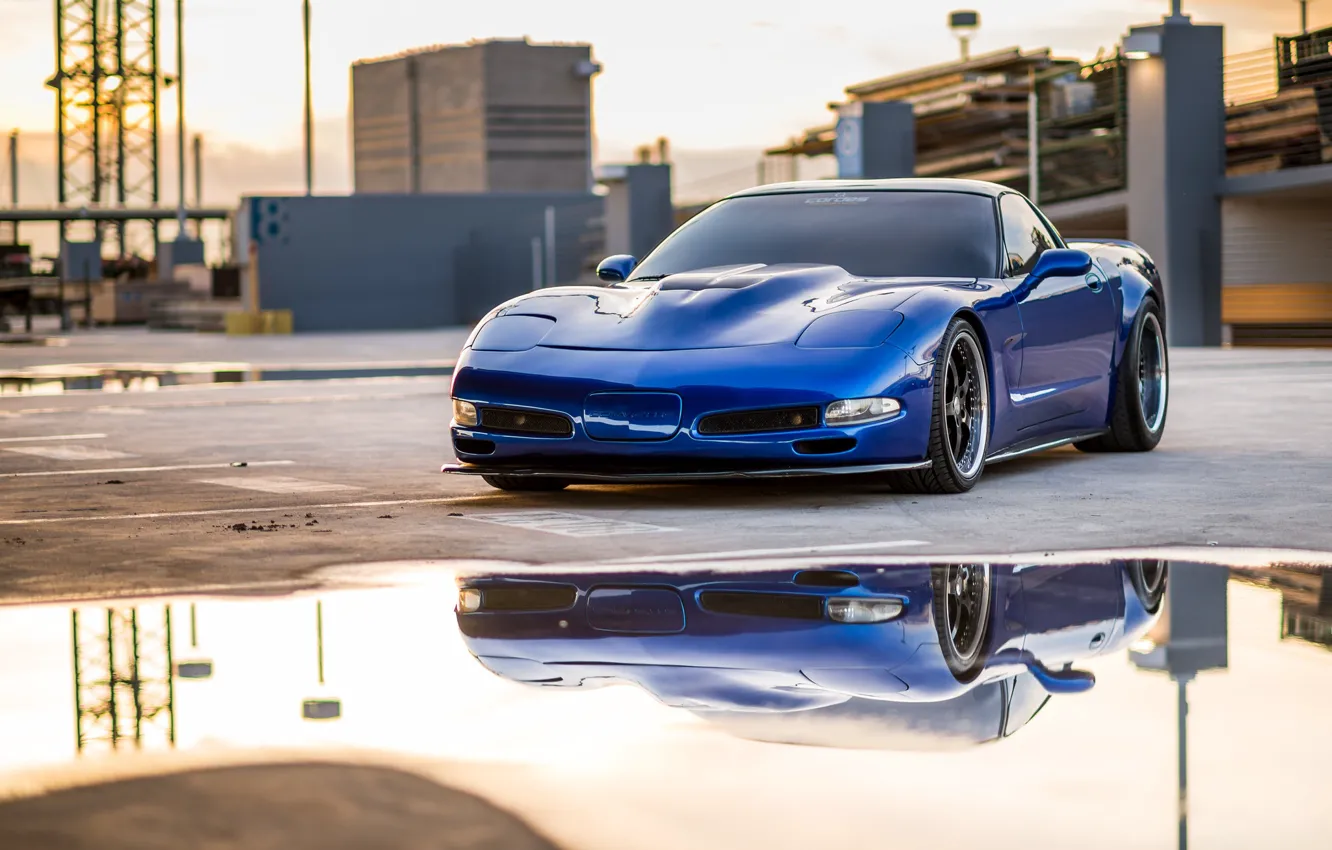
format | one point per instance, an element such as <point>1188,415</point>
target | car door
<point>1068,331</point>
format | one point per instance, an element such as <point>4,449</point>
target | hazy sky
<point>710,75</point>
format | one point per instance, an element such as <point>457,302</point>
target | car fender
<point>990,306</point>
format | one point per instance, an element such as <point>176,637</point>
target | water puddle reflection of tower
<point>123,688</point>
<point>1189,638</point>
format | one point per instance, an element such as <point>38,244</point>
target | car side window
<point>1025,236</point>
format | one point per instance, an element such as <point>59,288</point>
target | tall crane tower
<point>107,84</point>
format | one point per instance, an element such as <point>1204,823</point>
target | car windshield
<point>874,234</point>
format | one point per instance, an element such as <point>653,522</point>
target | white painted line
<point>567,525</point>
<point>277,484</point>
<point>50,411</point>
<point>252,510</point>
<point>114,470</point>
<point>52,437</point>
<point>758,553</point>
<point>70,452</point>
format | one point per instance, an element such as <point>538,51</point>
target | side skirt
<point>1021,451</point>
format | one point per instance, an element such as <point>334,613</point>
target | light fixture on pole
<point>1143,44</point>
<point>964,24</point>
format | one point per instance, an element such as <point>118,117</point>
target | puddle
<point>1044,695</point>
<point>112,378</point>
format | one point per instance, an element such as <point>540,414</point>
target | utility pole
<point>198,170</point>
<point>13,177</point>
<point>1304,17</point>
<point>180,117</point>
<point>309,107</point>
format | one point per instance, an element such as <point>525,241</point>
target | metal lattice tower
<point>123,678</point>
<point>107,124</point>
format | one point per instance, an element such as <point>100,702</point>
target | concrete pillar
<point>876,140</point>
<point>1176,160</point>
<point>639,213</point>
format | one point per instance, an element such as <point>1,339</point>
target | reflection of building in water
<point>1190,637</point>
<point>1306,600</point>
<point>122,677</point>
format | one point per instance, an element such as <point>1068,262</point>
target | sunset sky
<point>720,79</point>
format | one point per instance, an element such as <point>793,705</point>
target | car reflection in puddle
<point>872,663</point>
<point>863,657</point>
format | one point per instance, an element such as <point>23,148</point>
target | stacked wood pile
<point>971,115</point>
<point>1279,105</point>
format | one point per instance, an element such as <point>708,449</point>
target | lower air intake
<point>784,606</point>
<point>510,421</point>
<point>760,421</point>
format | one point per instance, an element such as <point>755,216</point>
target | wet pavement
<point>714,703</point>
<point>173,488</point>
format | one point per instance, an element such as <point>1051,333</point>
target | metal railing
<point>1279,105</point>
<point>1082,121</point>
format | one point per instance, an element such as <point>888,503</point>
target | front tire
<point>962,613</point>
<point>523,484</point>
<point>960,421</point>
<point>1142,387</point>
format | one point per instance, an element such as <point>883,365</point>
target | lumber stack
<point>1287,126</point>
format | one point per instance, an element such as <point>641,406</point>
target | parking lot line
<point>68,452</point>
<point>277,484</point>
<point>117,470</point>
<point>758,553</point>
<point>52,437</point>
<point>567,524</point>
<point>252,510</point>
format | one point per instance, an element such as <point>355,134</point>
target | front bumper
<point>559,381</point>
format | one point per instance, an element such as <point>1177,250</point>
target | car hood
<point>711,308</point>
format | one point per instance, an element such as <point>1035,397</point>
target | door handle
<point>1094,283</point>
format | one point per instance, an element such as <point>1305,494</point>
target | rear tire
<point>960,420</point>
<point>523,484</point>
<point>1142,386</point>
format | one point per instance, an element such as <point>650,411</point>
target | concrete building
<point>481,117</point>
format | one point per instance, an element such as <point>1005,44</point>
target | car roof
<point>910,184</point>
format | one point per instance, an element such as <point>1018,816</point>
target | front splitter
<point>649,477</point>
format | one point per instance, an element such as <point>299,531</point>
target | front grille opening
<point>829,446</point>
<point>760,421</point>
<point>528,597</point>
<point>826,578</point>
<point>784,606</point>
<point>471,446</point>
<point>511,421</point>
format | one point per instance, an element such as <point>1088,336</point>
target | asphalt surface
<point>139,493</point>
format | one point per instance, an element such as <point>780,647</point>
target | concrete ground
<point>140,494</point>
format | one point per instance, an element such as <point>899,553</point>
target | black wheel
<point>960,424</point>
<point>1149,579</point>
<point>523,484</point>
<point>1142,389</point>
<point>962,604</point>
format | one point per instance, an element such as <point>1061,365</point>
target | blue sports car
<point>855,655</point>
<point>918,329</point>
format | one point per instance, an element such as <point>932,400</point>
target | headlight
<point>464,413</point>
<point>853,610</point>
<point>469,600</point>
<point>854,411</point>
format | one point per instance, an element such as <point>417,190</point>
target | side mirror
<point>1061,262</point>
<point>1066,681</point>
<point>618,268</point>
